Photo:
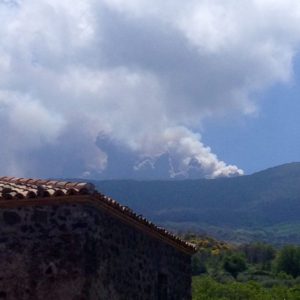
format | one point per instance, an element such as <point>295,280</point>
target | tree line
<point>258,270</point>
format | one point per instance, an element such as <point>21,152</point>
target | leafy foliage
<point>207,288</point>
<point>259,253</point>
<point>198,266</point>
<point>250,271</point>
<point>288,260</point>
<point>234,264</point>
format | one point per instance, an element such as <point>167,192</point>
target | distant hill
<point>264,205</point>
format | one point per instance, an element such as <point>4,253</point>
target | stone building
<point>61,240</point>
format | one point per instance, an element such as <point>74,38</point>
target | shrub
<point>234,264</point>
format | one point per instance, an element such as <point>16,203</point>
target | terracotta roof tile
<point>31,188</point>
<point>26,188</point>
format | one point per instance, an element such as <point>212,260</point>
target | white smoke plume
<point>142,74</point>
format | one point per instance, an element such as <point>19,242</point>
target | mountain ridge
<point>248,203</point>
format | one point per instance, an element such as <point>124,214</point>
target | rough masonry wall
<point>78,252</point>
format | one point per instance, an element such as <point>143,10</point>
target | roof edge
<point>100,201</point>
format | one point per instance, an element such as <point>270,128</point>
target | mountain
<point>264,205</point>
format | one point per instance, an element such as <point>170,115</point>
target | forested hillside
<point>264,205</point>
<point>252,271</point>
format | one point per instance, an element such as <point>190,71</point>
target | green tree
<point>198,266</point>
<point>258,253</point>
<point>234,264</point>
<point>288,260</point>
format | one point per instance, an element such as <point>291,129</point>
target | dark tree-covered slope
<point>263,199</point>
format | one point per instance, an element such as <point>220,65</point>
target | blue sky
<point>148,88</point>
<point>269,138</point>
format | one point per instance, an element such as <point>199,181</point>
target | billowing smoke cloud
<point>92,86</point>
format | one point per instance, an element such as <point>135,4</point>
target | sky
<point>148,89</point>
<point>267,139</point>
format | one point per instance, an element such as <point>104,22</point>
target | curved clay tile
<point>6,189</point>
<point>6,178</point>
<point>70,185</point>
<point>83,191</point>
<point>17,195</point>
<point>58,193</point>
<point>72,191</point>
<point>31,194</point>
<point>41,182</point>
<point>52,182</point>
<point>41,191</point>
<point>21,191</point>
<point>31,181</point>
<point>60,184</point>
<point>7,196</point>
<point>88,186</point>
<point>22,180</point>
<point>50,191</point>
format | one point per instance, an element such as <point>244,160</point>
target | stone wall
<point>77,252</point>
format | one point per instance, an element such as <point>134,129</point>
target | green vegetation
<point>250,271</point>
<point>264,206</point>
<point>234,264</point>
<point>207,288</point>
<point>288,261</point>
